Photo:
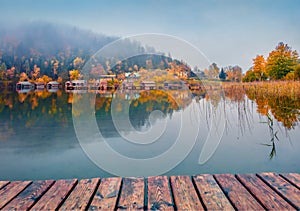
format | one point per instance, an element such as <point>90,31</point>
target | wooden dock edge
<point>263,191</point>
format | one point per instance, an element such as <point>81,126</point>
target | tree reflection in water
<point>274,100</point>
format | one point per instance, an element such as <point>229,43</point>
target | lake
<point>38,138</point>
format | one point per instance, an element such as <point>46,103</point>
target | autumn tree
<point>23,77</point>
<point>214,70</point>
<point>249,76</point>
<point>45,79</point>
<point>259,67</point>
<point>10,73</point>
<point>233,73</point>
<point>281,61</point>
<point>297,72</point>
<point>74,74</point>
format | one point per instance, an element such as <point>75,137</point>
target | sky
<point>228,32</point>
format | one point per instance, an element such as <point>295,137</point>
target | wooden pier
<point>264,191</point>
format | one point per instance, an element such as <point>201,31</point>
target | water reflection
<point>42,107</point>
<point>40,123</point>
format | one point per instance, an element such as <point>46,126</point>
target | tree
<point>297,72</point>
<point>281,61</point>
<point>36,72</point>
<point>149,65</point>
<point>237,73</point>
<point>3,69</point>
<point>249,77</point>
<point>222,75</point>
<point>214,70</point>
<point>74,74</point>
<point>259,67</point>
<point>78,62</point>
<point>233,73</point>
<point>97,71</point>
<point>290,76</point>
<point>23,77</point>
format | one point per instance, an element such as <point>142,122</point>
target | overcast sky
<point>229,32</point>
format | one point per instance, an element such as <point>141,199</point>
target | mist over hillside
<point>50,39</point>
<point>53,48</point>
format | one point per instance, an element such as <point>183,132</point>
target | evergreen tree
<point>222,75</point>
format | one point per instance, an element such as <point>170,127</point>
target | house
<point>76,85</point>
<point>175,85</point>
<point>131,77</point>
<point>128,85</point>
<point>148,85</point>
<point>53,86</point>
<point>24,87</point>
<point>94,85</point>
<point>39,86</point>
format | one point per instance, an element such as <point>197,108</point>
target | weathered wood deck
<point>201,192</point>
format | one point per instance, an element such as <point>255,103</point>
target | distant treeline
<point>52,49</point>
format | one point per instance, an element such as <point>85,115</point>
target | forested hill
<point>47,44</point>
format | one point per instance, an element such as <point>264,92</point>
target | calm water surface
<point>38,140</point>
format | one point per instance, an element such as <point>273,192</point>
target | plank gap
<point>67,195</point>
<point>172,194</point>
<point>119,195</point>
<point>3,184</point>
<point>254,196</point>
<point>280,194</point>
<point>42,194</point>
<point>93,194</point>
<point>146,194</point>
<point>198,193</point>
<point>19,191</point>
<point>290,181</point>
<point>232,204</point>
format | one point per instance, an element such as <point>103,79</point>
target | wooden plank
<point>237,193</point>
<point>288,191</point>
<point>185,195</point>
<point>81,195</point>
<point>107,194</point>
<point>29,196</point>
<point>53,198</point>
<point>11,190</point>
<point>269,198</point>
<point>159,195</point>
<point>211,194</point>
<point>292,178</point>
<point>3,183</point>
<point>132,194</point>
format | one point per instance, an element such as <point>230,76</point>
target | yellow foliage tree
<point>23,77</point>
<point>74,74</point>
<point>259,67</point>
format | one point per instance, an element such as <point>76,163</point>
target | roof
<point>148,82</point>
<point>132,75</point>
<point>53,82</point>
<point>24,82</point>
